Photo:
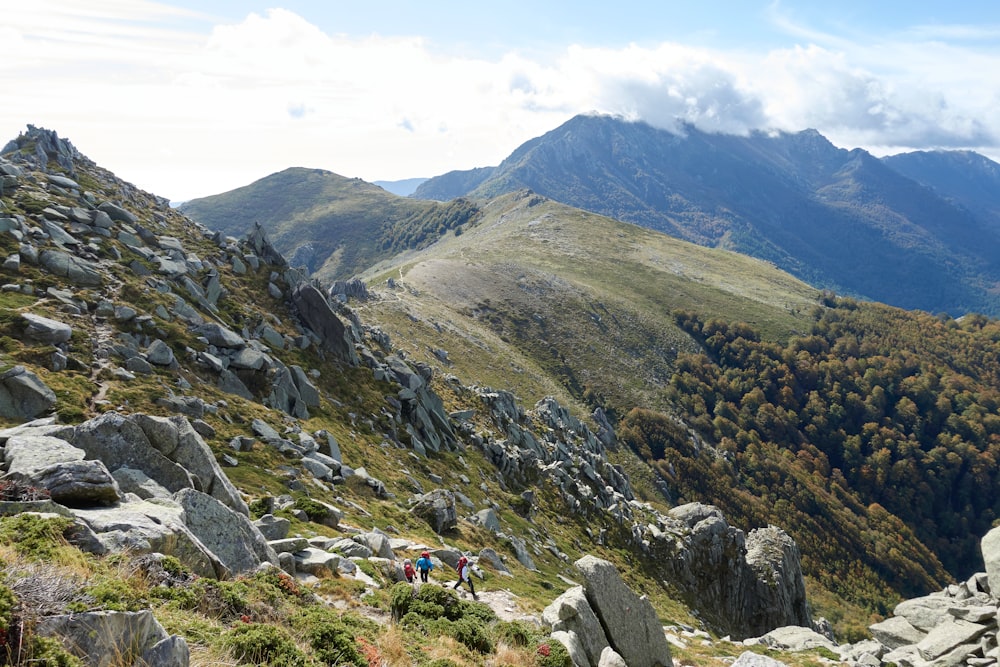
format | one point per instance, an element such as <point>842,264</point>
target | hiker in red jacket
<point>464,568</point>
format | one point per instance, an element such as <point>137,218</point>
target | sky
<point>195,97</point>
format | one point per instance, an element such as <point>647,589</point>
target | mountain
<point>208,458</point>
<point>536,387</point>
<point>963,177</point>
<point>403,188</point>
<point>332,226</point>
<point>838,219</point>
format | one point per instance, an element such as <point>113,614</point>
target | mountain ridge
<point>838,219</point>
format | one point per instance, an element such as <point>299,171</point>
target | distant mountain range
<point>403,188</point>
<point>919,230</point>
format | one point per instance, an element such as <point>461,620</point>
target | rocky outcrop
<point>742,585</point>
<point>606,622</point>
<point>186,506</point>
<point>315,311</point>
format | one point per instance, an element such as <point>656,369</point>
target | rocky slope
<point>174,392</point>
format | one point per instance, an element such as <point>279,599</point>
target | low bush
<point>261,644</point>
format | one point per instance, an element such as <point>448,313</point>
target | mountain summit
<point>838,219</point>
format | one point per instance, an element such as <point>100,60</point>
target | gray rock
<point>250,359</point>
<point>895,632</point>
<point>350,548</point>
<point>228,534</point>
<point>316,561</point>
<point>437,508</point>
<point>629,622</point>
<point>948,636</point>
<point>487,518</point>
<point>132,637</point>
<point>377,542</point>
<point>62,181</point>
<point>751,659</point>
<point>231,383</point>
<point>137,482</point>
<point>77,483</point>
<point>220,336</point>
<point>142,526</point>
<point>176,438</point>
<point>76,270</point>
<point>138,365</point>
<point>45,330</point>
<point>611,658</point>
<point>925,613</point>
<point>117,213</point>
<point>570,612</point>
<point>273,527</point>
<point>307,390</point>
<point>288,545</point>
<point>315,312</point>
<point>159,353</point>
<point>120,443</point>
<point>23,395</point>
<point>490,557</point>
<point>989,545</point>
<point>574,647</point>
<point>796,638</point>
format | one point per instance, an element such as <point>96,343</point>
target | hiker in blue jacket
<point>424,566</point>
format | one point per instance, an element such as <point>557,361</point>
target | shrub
<point>34,537</point>
<point>514,633</point>
<point>49,652</point>
<point>473,634</point>
<point>552,654</point>
<point>400,598</point>
<point>260,644</point>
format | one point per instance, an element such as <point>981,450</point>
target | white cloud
<point>185,107</point>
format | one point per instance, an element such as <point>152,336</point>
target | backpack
<point>462,562</point>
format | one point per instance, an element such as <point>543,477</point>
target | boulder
<point>630,623</point>
<point>377,542</point>
<point>76,483</point>
<point>437,508</point>
<point>120,443</point>
<point>45,330</point>
<point>176,438</point>
<point>570,612</point>
<point>315,312</point>
<point>156,526</point>
<point>23,395</point>
<point>220,336</point>
<point>274,527</point>
<point>316,562</point>
<point>228,534</point>
<point>137,482</point>
<point>795,638</point>
<point>132,637</point>
<point>751,659</point>
<point>350,548</point>
<point>574,647</point>
<point>160,354</point>
<point>989,545</point>
<point>76,270</point>
<point>895,632</point>
<point>611,658</point>
<point>117,213</point>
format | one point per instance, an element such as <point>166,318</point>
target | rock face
<point>605,622</point>
<point>742,585</point>
<point>315,312</point>
<point>630,623</point>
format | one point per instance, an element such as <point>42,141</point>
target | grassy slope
<point>335,226</point>
<point>567,297</point>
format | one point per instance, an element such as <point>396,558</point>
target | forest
<point>873,441</point>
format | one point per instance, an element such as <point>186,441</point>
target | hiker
<point>408,570</point>
<point>424,566</point>
<point>464,568</point>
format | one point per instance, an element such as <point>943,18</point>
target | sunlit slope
<point>587,300</point>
